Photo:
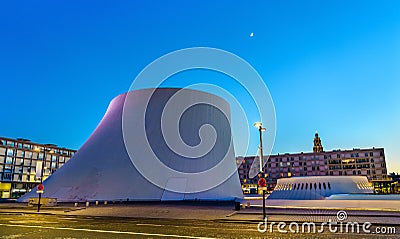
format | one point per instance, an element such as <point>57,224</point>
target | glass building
<point>21,164</point>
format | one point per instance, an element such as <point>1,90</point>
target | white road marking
<point>148,224</point>
<point>105,231</point>
<point>30,221</point>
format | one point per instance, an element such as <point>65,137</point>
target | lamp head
<point>257,124</point>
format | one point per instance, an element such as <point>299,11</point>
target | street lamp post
<point>262,176</point>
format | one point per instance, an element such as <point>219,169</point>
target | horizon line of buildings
<point>368,162</point>
<point>21,161</point>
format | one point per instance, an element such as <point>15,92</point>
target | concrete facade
<point>107,166</point>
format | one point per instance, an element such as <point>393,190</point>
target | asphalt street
<point>27,225</point>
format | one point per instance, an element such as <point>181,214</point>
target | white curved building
<point>153,144</point>
<point>320,187</point>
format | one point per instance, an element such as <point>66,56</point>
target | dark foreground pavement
<point>174,221</point>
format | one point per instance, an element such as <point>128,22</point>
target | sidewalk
<point>195,211</point>
<point>198,211</point>
<point>285,214</point>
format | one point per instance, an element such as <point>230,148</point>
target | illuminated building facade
<point>20,164</point>
<point>355,162</point>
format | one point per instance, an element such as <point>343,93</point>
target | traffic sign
<point>262,182</point>
<point>40,188</point>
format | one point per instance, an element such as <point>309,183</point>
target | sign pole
<point>39,190</point>
<point>264,205</point>
<point>262,185</point>
<point>38,206</point>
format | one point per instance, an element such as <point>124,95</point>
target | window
<point>9,160</point>
<point>11,143</point>
<point>359,172</point>
<point>340,173</point>
<point>371,154</point>
<point>7,176</point>
<point>10,152</point>
<point>329,186</point>
<point>366,154</point>
<point>354,172</point>
<point>323,184</point>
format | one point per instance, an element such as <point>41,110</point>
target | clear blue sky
<point>331,66</point>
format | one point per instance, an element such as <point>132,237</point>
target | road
<point>20,225</point>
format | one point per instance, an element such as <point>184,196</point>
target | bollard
<point>237,206</point>
<point>87,204</point>
<point>97,203</point>
<point>105,202</point>
<point>76,204</point>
